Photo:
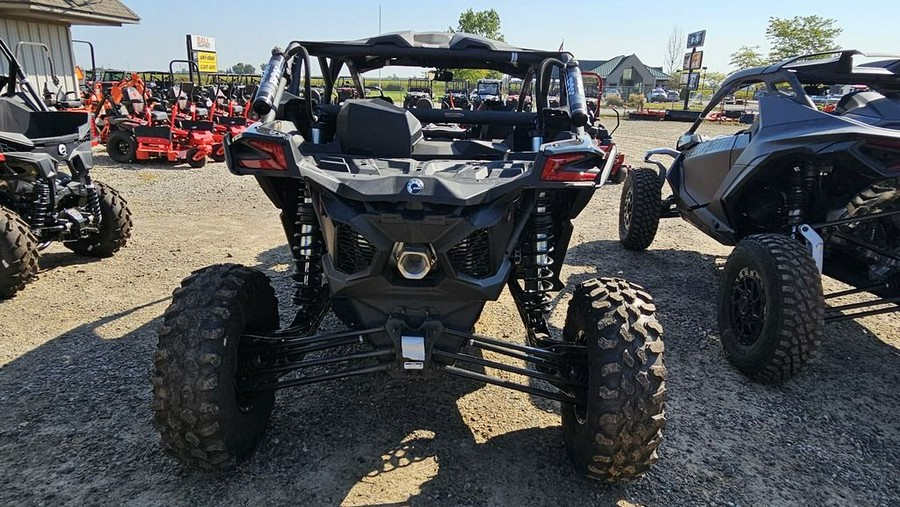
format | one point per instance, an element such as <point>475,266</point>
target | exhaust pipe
<point>414,262</point>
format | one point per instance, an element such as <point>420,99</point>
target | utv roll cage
<point>435,50</point>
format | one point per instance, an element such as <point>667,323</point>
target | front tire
<point>115,226</point>
<point>121,146</point>
<point>18,254</point>
<point>616,434</point>
<point>195,163</point>
<point>640,208</point>
<point>771,307</point>
<point>203,421</point>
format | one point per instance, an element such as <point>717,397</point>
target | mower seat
<point>159,116</point>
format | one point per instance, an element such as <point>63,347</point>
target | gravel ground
<point>76,353</point>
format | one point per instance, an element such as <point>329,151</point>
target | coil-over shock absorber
<point>307,248</point>
<point>535,270</point>
<point>802,184</point>
<point>40,212</point>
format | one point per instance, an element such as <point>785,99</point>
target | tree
<point>242,68</point>
<point>485,23</point>
<point>712,79</point>
<point>800,35</point>
<point>674,57</point>
<point>263,67</point>
<point>747,57</point>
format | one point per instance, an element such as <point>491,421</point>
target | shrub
<point>636,99</point>
<point>614,101</point>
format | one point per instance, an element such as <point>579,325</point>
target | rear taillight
<point>570,167</point>
<point>257,154</point>
<point>2,157</point>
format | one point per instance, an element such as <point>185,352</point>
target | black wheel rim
<point>748,306</point>
<point>626,208</point>
<point>122,147</point>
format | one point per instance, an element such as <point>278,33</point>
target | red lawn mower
<point>143,134</point>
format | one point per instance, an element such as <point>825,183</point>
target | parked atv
<point>456,95</point>
<point>419,93</point>
<point>46,191</point>
<point>800,192</point>
<point>405,237</point>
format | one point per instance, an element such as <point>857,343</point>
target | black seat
<point>374,127</point>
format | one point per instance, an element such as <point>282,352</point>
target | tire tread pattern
<point>622,430</point>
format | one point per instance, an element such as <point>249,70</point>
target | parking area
<point>75,382</point>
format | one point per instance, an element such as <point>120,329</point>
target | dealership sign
<point>202,50</point>
<point>203,43</point>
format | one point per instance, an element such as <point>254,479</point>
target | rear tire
<point>202,420</point>
<point>640,208</point>
<point>115,227</point>
<point>216,155</point>
<point>616,435</point>
<point>771,307</point>
<point>196,164</point>
<point>121,146</point>
<point>18,254</point>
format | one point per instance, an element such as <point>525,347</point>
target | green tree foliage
<point>747,57</point>
<point>801,34</point>
<point>485,23</point>
<point>242,68</point>
<point>712,80</point>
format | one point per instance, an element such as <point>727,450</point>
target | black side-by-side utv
<point>801,191</point>
<point>46,191</point>
<point>405,229</point>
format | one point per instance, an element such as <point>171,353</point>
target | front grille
<point>472,256</point>
<point>354,252</point>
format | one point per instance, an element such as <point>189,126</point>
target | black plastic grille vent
<point>354,252</point>
<point>472,256</point>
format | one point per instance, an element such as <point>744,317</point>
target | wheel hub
<point>626,209</point>
<point>748,306</point>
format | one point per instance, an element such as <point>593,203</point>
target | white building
<point>49,22</point>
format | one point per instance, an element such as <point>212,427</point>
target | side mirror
<point>688,141</point>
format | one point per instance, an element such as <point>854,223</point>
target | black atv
<point>419,94</point>
<point>800,191</point>
<point>46,191</point>
<point>405,235</point>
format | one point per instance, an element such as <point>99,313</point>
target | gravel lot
<point>76,353</point>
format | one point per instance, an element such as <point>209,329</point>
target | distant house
<point>627,73</point>
<point>49,22</point>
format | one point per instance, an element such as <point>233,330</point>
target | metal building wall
<point>57,37</point>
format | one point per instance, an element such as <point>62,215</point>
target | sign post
<point>201,49</point>
<point>693,61</point>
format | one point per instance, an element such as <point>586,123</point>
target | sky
<point>594,30</point>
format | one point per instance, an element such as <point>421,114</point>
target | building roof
<point>605,67</point>
<point>75,12</point>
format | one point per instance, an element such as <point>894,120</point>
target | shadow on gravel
<point>75,425</point>
<point>54,260</point>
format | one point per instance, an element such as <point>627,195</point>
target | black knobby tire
<point>216,155</point>
<point>771,307</point>
<point>616,435</point>
<point>196,164</point>
<point>121,146</point>
<point>202,420</point>
<point>640,208</point>
<point>620,176</point>
<point>18,253</point>
<point>115,226</point>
